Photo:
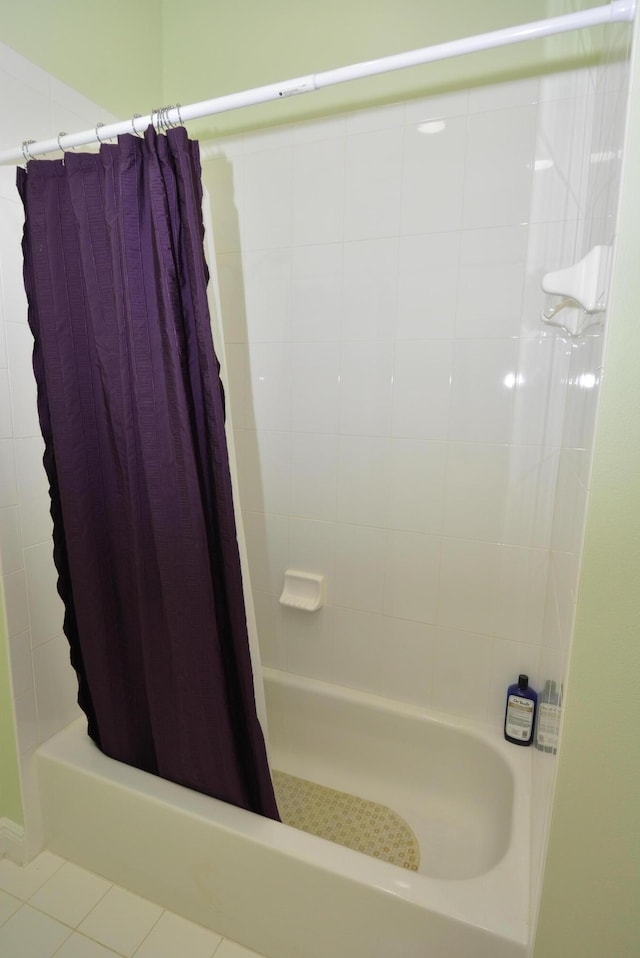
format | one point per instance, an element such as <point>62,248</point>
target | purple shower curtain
<point>132,413</point>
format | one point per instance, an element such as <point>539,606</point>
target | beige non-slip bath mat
<point>346,820</point>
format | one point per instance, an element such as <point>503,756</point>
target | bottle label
<point>548,725</point>
<point>519,717</point>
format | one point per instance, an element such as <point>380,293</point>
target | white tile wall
<point>406,427</point>
<point>44,685</point>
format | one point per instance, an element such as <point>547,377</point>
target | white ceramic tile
<point>232,296</point>
<point>417,482</point>
<point>468,589</point>
<point>270,372</point>
<point>551,246</point>
<point>31,934</point>
<point>15,602</point>
<point>365,388</point>
<point>566,84</point>
<point>234,374</point>
<point>408,656</point>
<point>570,508</point>
<point>427,286</point>
<point>421,389</point>
<point>312,548</point>
<point>323,128</point>
<point>22,381</point>
<point>29,75</point>
<point>316,292</point>
<point>375,118</point>
<point>584,377</point>
<point>484,379</point>
<point>8,487</point>
<point>173,935</point>
<point>263,470</point>
<point>359,567</point>
<point>23,881</point>
<point>462,671</point>
<point>56,687</point>
<point>314,476</point>
<point>6,429</point>
<point>46,610</point>
<point>476,488</point>
<point>309,640</point>
<point>267,190</point>
<point>492,271</point>
<point>4,359</point>
<point>271,632</point>
<point>496,96</point>
<point>79,946</point>
<point>363,480</point>
<point>78,103</point>
<point>121,920</point>
<point>429,108</point>
<point>411,576</point>
<point>318,191</point>
<point>498,172</point>
<point>13,294</point>
<point>373,184</point>
<point>522,591</point>
<point>357,649</point>
<point>315,386</point>
<point>32,119</point>
<point>224,180</point>
<point>369,292</point>
<point>8,906</point>
<point>33,491</point>
<point>26,721</point>
<point>229,949</point>
<point>267,290</point>
<point>541,391</point>
<point>10,541</point>
<point>529,501</point>
<point>21,663</point>
<point>559,180</point>
<point>509,660</point>
<point>267,547</point>
<point>433,175</point>
<point>70,894</point>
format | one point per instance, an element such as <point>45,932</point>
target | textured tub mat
<point>346,820</point>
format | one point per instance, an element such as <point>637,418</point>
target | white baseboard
<point>12,841</point>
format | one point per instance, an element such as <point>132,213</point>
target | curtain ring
<point>154,113</point>
<point>180,120</point>
<point>98,125</point>
<point>61,147</point>
<point>26,151</point>
<point>136,116</point>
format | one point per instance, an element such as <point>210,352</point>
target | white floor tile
<point>79,946</point>
<point>229,949</point>
<point>121,921</point>
<point>70,894</point>
<point>30,934</point>
<point>172,936</point>
<point>8,906</point>
<point>23,882</point>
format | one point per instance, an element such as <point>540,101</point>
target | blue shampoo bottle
<point>520,712</point>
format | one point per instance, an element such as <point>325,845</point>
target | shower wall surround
<point>402,417</point>
<point>44,685</point>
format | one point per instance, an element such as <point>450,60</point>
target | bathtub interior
<point>453,788</point>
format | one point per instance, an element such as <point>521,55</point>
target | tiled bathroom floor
<point>53,908</point>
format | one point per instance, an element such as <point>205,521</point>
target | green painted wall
<point>591,893</point>
<point>110,51</point>
<point>213,47</point>
<point>10,800</point>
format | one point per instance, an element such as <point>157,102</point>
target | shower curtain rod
<point>615,12</point>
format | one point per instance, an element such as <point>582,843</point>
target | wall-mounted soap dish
<point>303,590</point>
<point>582,288</point>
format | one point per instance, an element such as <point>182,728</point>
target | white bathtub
<point>287,894</point>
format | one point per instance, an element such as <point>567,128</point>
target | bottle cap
<point>523,681</point>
